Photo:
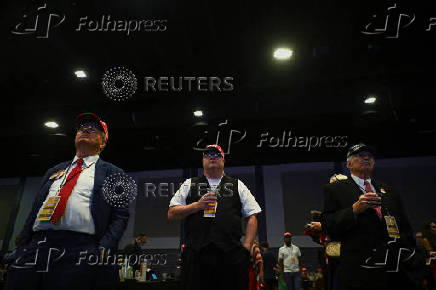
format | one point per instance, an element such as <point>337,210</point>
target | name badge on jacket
<point>48,208</point>
<point>392,227</point>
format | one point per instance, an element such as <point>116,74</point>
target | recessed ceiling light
<point>198,113</point>
<point>370,100</point>
<point>80,74</point>
<point>282,53</point>
<point>51,124</point>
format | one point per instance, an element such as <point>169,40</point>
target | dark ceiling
<point>319,92</point>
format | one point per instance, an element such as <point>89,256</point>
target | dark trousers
<point>293,280</point>
<point>54,260</point>
<point>212,269</point>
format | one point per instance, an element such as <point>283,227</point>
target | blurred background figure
<point>290,262</point>
<point>269,266</point>
<point>255,267</point>
<point>137,248</point>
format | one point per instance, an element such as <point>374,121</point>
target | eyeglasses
<point>212,154</point>
<point>363,154</point>
<point>90,127</point>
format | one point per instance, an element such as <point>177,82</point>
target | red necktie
<point>369,189</point>
<point>66,190</point>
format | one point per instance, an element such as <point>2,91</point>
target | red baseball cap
<point>92,118</point>
<point>287,234</point>
<point>215,148</point>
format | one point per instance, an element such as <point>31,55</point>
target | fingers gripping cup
<point>210,211</point>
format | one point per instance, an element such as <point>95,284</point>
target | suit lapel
<point>99,176</point>
<point>354,187</point>
<point>46,187</point>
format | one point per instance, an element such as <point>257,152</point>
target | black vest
<point>224,230</point>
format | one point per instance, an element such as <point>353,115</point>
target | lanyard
<point>65,180</point>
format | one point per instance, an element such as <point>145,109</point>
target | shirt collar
<point>87,160</point>
<point>360,181</point>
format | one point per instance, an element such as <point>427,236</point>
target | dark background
<point>319,92</point>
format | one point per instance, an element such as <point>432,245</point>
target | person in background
<point>290,263</point>
<point>269,264</point>
<point>136,248</point>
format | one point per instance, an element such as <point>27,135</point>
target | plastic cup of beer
<point>210,211</point>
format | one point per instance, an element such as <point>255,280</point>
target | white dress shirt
<point>290,256</point>
<point>77,216</point>
<point>249,203</point>
<point>361,183</point>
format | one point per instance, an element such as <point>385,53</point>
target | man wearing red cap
<point>289,263</point>
<point>212,206</point>
<point>70,218</point>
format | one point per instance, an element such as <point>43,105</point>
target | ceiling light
<point>80,74</point>
<point>370,100</point>
<point>283,53</point>
<point>51,124</point>
<point>198,113</point>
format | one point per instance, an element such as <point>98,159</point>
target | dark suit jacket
<point>110,222</point>
<point>360,234</point>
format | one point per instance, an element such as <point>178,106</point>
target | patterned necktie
<point>66,190</point>
<point>369,189</point>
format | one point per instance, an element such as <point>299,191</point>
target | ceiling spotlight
<point>80,74</point>
<point>283,53</point>
<point>370,100</point>
<point>198,113</point>
<point>51,124</point>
